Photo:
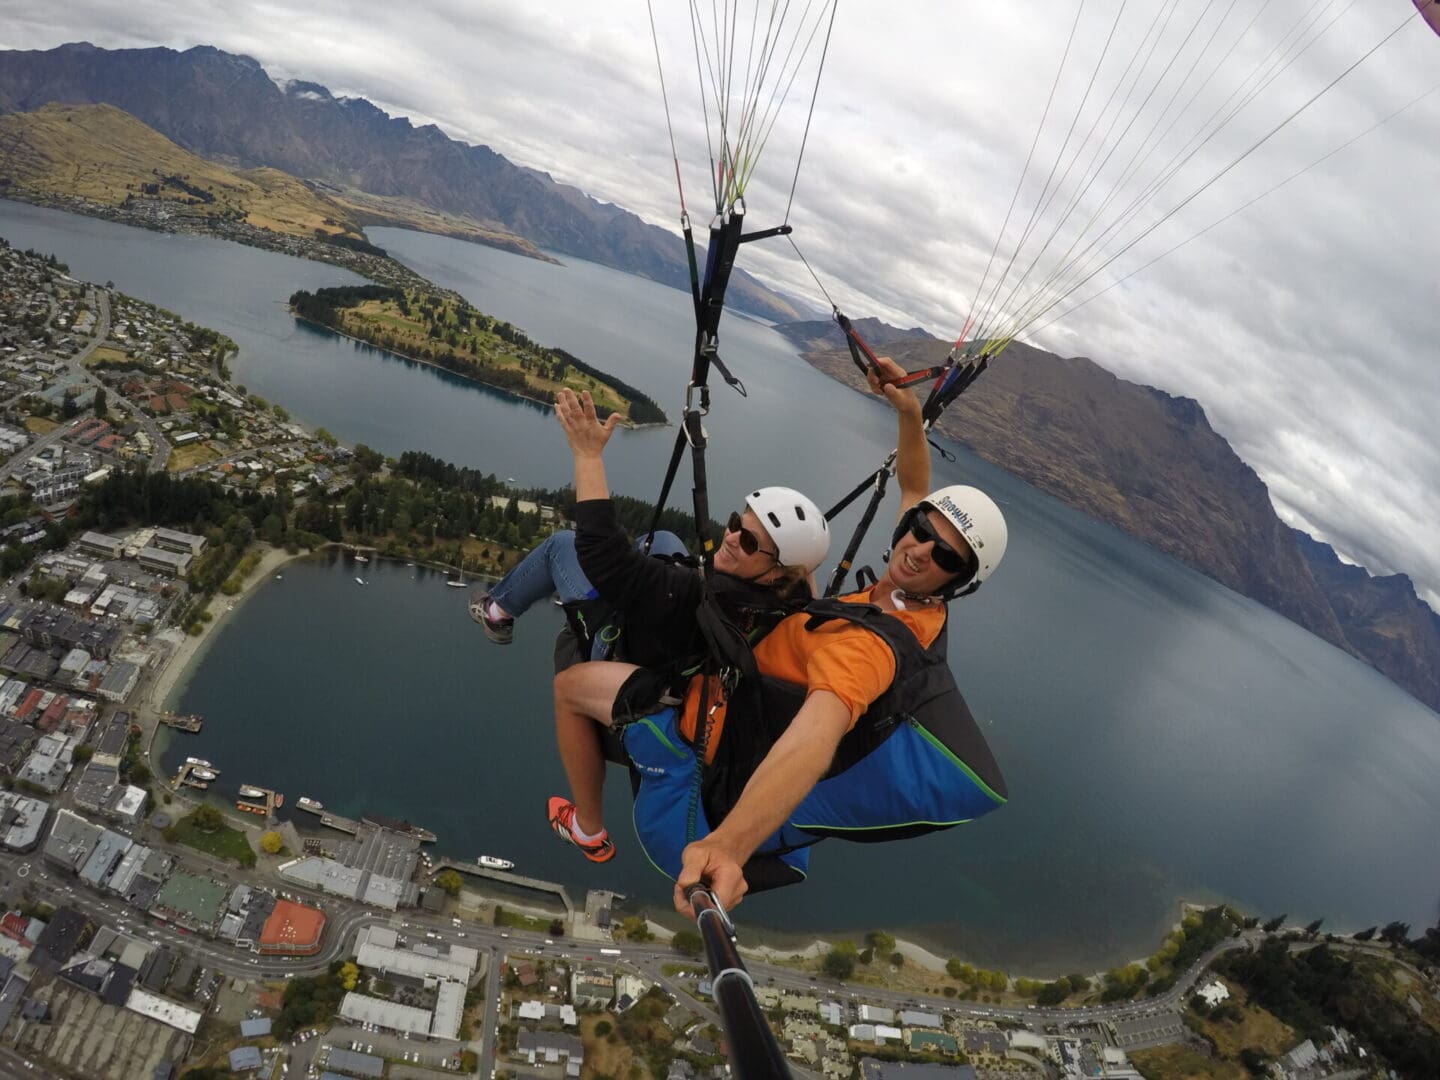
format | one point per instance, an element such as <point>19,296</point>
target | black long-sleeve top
<point>658,598</point>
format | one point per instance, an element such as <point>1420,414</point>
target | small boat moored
<point>250,791</point>
<point>315,806</point>
<point>202,774</point>
<point>490,862</point>
<point>199,761</point>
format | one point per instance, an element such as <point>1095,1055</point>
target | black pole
<point>754,1053</point>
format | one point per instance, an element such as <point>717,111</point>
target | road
<point>159,448</point>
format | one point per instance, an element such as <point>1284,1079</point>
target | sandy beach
<point>189,648</point>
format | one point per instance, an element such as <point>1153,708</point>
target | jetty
<point>182,723</point>
<point>349,825</point>
<point>184,776</point>
<point>536,884</point>
<point>269,800</point>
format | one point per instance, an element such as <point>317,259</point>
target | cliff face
<point>226,108</point>
<point>1383,618</point>
<point>1130,455</point>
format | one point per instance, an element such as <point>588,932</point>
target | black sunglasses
<point>749,542</point>
<point>942,554</point>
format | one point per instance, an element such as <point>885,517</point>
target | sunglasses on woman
<point>942,554</point>
<point>749,542</point>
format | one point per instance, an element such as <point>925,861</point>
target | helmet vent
<point>800,512</point>
<point>773,519</point>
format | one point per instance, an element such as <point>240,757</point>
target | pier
<point>269,800</point>
<point>182,723</point>
<point>508,878</point>
<point>184,776</point>
<point>353,827</point>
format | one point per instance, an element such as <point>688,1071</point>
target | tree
<point>102,402</point>
<point>1274,924</point>
<point>325,437</point>
<point>270,842</point>
<point>83,753</point>
<point>636,929</point>
<point>207,819</point>
<point>1395,932</point>
<point>1367,934</point>
<point>1313,928</point>
<point>687,942</point>
<point>349,975</point>
<point>839,962</point>
<point>68,408</point>
<point>880,941</point>
<point>557,928</point>
<point>897,959</point>
<point>449,881</point>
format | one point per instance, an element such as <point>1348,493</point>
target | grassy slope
<point>376,317</point>
<point>100,153</point>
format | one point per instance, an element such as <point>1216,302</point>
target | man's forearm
<point>792,767</point>
<point>912,458</point>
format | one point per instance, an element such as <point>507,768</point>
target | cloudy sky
<point>1306,325</point>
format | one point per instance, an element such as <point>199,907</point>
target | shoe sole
<point>553,809</point>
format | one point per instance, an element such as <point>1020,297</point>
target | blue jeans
<point>552,567</point>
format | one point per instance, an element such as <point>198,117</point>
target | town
<point>149,934</point>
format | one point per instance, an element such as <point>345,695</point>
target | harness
<point>915,762</point>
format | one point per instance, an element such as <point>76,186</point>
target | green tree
<point>207,819</point>
<point>1395,932</point>
<point>281,413</point>
<point>1274,924</point>
<point>1366,934</point>
<point>1313,928</point>
<point>449,881</point>
<point>839,962</point>
<point>880,941</point>
<point>687,942</point>
<point>325,437</point>
<point>102,402</point>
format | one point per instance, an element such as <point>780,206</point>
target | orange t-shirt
<point>847,660</point>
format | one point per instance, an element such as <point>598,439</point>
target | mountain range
<point>1143,460</point>
<point>1150,464</point>
<point>224,107</point>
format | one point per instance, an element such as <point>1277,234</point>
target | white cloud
<point>1305,326</point>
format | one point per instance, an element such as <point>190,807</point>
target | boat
<point>250,791</point>
<point>202,774</point>
<point>490,862</point>
<point>359,581</point>
<point>250,808</point>
<point>307,803</point>
<point>199,761</point>
<point>456,583</point>
<point>361,559</point>
<point>279,799</point>
<point>279,577</point>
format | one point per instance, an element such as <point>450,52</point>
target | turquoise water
<point>1163,738</point>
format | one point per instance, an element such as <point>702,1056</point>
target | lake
<point>1163,738</point>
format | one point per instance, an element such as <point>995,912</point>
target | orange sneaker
<point>562,819</point>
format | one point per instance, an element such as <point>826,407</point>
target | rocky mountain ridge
<point>1150,464</point>
<point>226,108</point>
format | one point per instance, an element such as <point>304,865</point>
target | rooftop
<point>292,925</point>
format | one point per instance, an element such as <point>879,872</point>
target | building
<point>591,989</point>
<point>405,1019</point>
<point>914,1018</point>
<point>1147,1030</point>
<point>551,1048</point>
<point>353,1064</point>
<point>109,547</point>
<point>245,1059</point>
<point>378,947</point>
<point>292,930</point>
<point>870,1069</point>
<point>174,563</point>
<point>163,1009</point>
<point>104,858</point>
<point>67,931</point>
<point>255,1027</point>
<point>21,821</point>
<point>173,540</point>
<point>71,840</point>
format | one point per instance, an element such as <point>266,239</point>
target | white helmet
<point>979,521</point>
<point>796,525</point>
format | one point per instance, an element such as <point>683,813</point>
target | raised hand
<point>586,434</point>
